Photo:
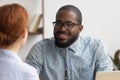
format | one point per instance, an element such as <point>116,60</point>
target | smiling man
<point>67,27</point>
<point>69,56</point>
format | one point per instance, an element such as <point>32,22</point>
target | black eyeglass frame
<point>67,25</point>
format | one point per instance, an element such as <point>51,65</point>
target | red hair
<point>13,19</point>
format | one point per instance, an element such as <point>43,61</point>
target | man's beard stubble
<point>65,44</point>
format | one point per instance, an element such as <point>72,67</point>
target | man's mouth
<point>62,36</point>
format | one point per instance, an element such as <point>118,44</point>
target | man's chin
<point>62,44</point>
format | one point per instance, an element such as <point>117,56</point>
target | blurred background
<point>101,19</point>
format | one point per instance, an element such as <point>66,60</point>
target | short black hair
<point>74,9</point>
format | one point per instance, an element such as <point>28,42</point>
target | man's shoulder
<point>90,40</point>
<point>46,41</point>
<point>93,43</point>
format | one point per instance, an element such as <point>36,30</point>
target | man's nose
<point>63,27</point>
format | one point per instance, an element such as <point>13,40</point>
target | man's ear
<point>80,28</point>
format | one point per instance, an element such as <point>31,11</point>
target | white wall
<point>101,18</point>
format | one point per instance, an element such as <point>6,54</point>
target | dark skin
<point>65,37</point>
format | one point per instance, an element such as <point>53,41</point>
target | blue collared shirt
<point>13,68</point>
<point>80,61</point>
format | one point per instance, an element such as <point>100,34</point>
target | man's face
<point>63,33</point>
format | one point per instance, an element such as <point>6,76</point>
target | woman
<point>13,36</point>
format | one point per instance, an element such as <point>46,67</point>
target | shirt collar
<point>76,44</point>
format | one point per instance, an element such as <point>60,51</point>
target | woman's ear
<point>23,37</point>
<point>24,33</point>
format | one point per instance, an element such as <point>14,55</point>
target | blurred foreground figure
<point>13,36</point>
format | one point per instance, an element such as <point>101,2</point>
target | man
<point>13,36</point>
<point>69,56</point>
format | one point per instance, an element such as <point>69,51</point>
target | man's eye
<point>69,24</point>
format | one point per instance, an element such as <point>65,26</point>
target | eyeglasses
<point>67,25</point>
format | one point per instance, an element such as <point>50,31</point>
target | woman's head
<point>13,21</point>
